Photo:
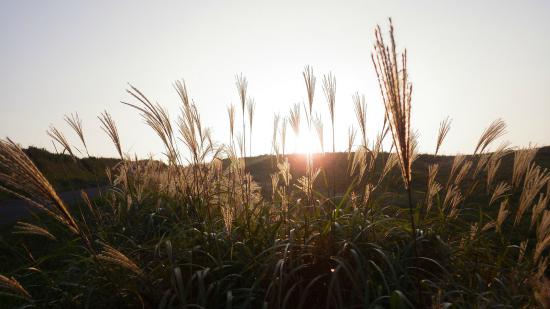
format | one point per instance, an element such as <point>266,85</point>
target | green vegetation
<point>368,228</point>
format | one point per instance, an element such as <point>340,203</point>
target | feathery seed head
<point>231,114</point>
<point>329,88</point>
<point>444,128</point>
<point>76,124</point>
<point>294,118</point>
<point>318,124</point>
<point>495,130</point>
<point>108,126</point>
<point>500,191</point>
<point>522,161</point>
<point>115,257</point>
<point>310,80</point>
<point>396,94</point>
<point>12,285</point>
<point>59,137</point>
<point>352,132</point>
<point>20,176</point>
<point>251,107</point>
<point>31,229</point>
<point>242,85</point>
<point>361,115</point>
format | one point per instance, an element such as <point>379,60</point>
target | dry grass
<point>115,257</point>
<point>500,191</point>
<point>28,228</point>
<point>462,173</point>
<point>453,198</point>
<point>536,179</point>
<point>318,125</point>
<point>444,128</point>
<point>495,130</point>
<point>329,88</point>
<point>295,119</point>
<point>242,86</point>
<point>274,140</point>
<point>251,108</point>
<point>457,163</point>
<point>361,115</point>
<point>157,118</point>
<point>60,138</point>
<point>195,137</point>
<point>543,235</point>
<point>522,161</point>
<point>396,94</point>
<point>76,124</point>
<point>503,213</point>
<point>433,186</point>
<point>310,80</point>
<point>352,132</point>
<point>231,115</point>
<point>108,125</point>
<point>538,209</point>
<point>12,285</point>
<point>21,177</point>
<point>492,168</point>
<point>228,215</point>
<point>396,91</point>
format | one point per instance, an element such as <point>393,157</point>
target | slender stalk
<point>309,80</point>
<point>333,165</point>
<point>413,232</point>
<point>244,138</point>
<point>411,213</point>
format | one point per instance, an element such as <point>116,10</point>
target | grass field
<point>373,227</point>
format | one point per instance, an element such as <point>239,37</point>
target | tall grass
<point>198,231</point>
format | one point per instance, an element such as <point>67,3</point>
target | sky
<point>474,61</point>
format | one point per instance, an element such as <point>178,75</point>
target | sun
<point>306,142</point>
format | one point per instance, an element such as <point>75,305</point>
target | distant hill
<point>336,170</point>
<point>66,173</point>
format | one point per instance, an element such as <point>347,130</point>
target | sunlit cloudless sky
<point>474,61</point>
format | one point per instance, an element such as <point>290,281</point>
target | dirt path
<point>15,209</point>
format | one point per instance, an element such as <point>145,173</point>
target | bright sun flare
<point>307,142</point>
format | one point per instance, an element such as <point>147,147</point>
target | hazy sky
<point>474,61</point>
